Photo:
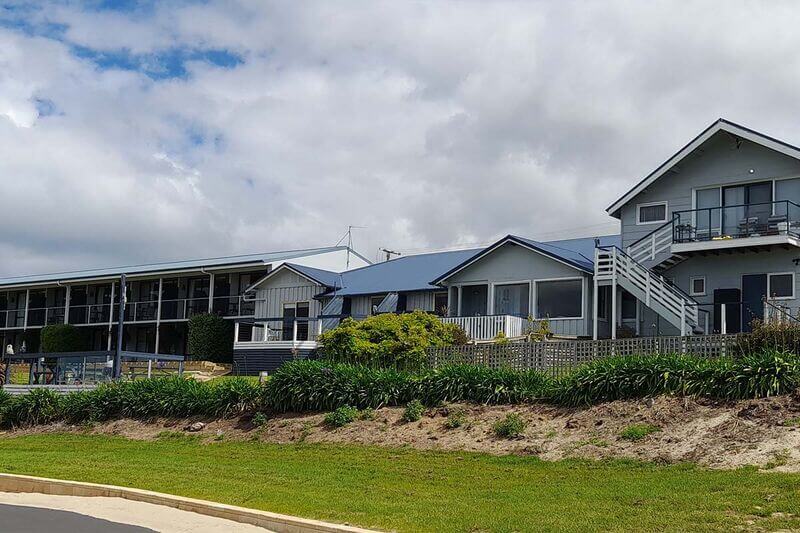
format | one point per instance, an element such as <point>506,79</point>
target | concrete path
<point>67,514</point>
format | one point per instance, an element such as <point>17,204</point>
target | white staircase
<point>612,266</point>
<point>655,249</point>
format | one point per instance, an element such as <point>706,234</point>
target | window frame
<point>692,292</point>
<point>493,291</point>
<point>446,295</point>
<point>769,286</point>
<point>651,204</point>
<point>568,278</point>
<point>373,307</point>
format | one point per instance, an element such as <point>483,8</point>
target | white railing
<point>613,264</point>
<point>277,331</point>
<point>482,328</point>
<point>646,249</point>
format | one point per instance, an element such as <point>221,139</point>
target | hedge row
<point>321,386</point>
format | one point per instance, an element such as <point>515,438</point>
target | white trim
<point>719,125</point>
<point>276,270</point>
<point>651,204</point>
<point>721,244</point>
<point>571,278</point>
<point>691,286</point>
<point>769,283</point>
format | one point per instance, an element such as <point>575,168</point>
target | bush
<point>637,432</point>
<point>341,416</point>
<point>259,419</point>
<point>39,406</point>
<point>413,412</point>
<point>481,384</point>
<point>62,338</point>
<point>509,427</point>
<point>456,419</point>
<point>389,340</point>
<point>775,336</point>
<point>210,338</point>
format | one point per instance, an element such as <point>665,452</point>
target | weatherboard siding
<point>286,287</point>
<point>719,163</point>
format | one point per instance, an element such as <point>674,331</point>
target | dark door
<point>754,289</point>
<point>474,303</point>
<point>730,298</point>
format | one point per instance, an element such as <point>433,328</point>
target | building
<point>160,299</point>
<point>708,236</point>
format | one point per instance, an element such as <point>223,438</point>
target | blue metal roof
<point>194,264</point>
<point>578,253</point>
<point>323,277</point>
<point>409,273</point>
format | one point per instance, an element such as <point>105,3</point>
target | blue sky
<point>144,131</point>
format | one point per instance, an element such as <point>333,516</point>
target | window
<point>440,303</point>
<point>781,286</point>
<point>559,299</point>
<point>628,306</point>
<point>512,299</point>
<point>602,303</point>
<point>651,213</point>
<point>708,212</point>
<point>697,286</point>
<point>374,302</point>
<point>787,190</point>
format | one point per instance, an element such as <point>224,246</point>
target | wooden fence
<point>559,357</point>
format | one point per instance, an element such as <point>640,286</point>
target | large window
<point>781,286</point>
<point>559,298</point>
<point>708,212</point>
<point>512,299</point>
<point>651,213</point>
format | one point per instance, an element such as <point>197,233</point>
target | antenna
<point>349,237</point>
<point>390,253</point>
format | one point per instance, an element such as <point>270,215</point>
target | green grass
<point>411,490</point>
<point>636,432</point>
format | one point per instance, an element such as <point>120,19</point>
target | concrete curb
<point>273,521</point>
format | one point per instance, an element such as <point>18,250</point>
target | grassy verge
<point>410,490</point>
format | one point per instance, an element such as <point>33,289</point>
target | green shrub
<point>509,427</point>
<point>367,414</point>
<point>413,411</point>
<point>341,416</point>
<point>775,336</point>
<point>481,384</point>
<point>234,396</point>
<point>456,419</point>
<point>62,338</point>
<point>259,419</point>
<point>389,340</point>
<point>769,373</point>
<point>637,432</point>
<point>39,406</point>
<point>210,338</point>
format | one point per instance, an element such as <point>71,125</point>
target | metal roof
<point>404,274</point>
<point>720,125</point>
<point>323,277</point>
<point>155,268</point>
<point>577,253</point>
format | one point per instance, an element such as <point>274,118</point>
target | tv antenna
<point>349,237</point>
<point>390,253</point>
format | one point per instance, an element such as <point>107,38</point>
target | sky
<point>134,132</point>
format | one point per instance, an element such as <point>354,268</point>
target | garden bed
<point>666,429</point>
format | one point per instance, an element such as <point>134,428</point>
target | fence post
<point>723,319</point>
<point>683,317</point>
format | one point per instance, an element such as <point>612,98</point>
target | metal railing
<point>267,330</point>
<point>489,326</point>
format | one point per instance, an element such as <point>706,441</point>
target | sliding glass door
<point>747,209</point>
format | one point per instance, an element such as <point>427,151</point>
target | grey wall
<point>720,163</point>
<point>286,287</point>
<point>513,263</point>
<point>422,300</point>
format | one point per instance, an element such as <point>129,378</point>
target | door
<point>754,289</point>
<point>290,313</point>
<point>474,303</point>
<point>747,209</point>
<point>730,298</point>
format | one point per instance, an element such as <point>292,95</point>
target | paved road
<point>18,519</point>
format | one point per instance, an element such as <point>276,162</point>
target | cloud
<point>132,133</point>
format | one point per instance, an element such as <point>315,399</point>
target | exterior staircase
<point>614,267</point>
<point>655,249</point>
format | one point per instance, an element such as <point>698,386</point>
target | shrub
<point>210,338</point>
<point>760,375</point>
<point>259,419</point>
<point>389,340</point>
<point>775,336</point>
<point>509,427</point>
<point>481,384</point>
<point>62,338</point>
<point>341,416</point>
<point>637,432</point>
<point>39,406</point>
<point>234,396</point>
<point>367,414</point>
<point>413,412</point>
<point>456,419</point>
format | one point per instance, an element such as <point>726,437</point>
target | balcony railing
<point>277,330</point>
<point>482,328</point>
<point>736,222</point>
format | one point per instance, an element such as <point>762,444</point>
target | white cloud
<point>431,124</point>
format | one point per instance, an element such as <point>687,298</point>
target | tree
<point>210,338</point>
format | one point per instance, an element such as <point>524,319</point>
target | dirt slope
<point>764,432</point>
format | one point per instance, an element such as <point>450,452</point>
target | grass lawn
<point>410,490</point>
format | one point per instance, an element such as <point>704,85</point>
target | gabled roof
<point>404,274</point>
<point>576,253</point>
<point>245,260</point>
<point>324,278</point>
<point>720,125</point>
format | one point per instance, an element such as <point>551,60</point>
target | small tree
<point>61,338</point>
<point>210,338</point>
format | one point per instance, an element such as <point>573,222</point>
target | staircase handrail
<point>649,235</point>
<point>781,310</point>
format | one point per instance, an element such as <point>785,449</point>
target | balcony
<point>277,333</point>
<point>485,328</point>
<point>717,228</point>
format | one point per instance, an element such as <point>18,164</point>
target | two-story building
<point>707,237</point>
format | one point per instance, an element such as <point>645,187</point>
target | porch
<point>485,328</point>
